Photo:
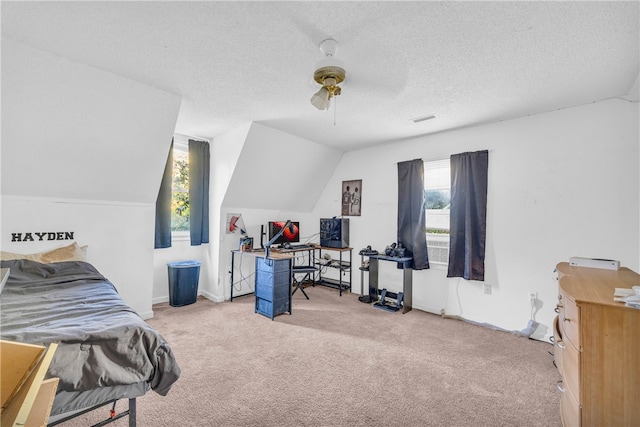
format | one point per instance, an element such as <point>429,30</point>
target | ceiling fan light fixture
<point>329,73</point>
<point>320,99</point>
<point>329,78</point>
<point>322,74</point>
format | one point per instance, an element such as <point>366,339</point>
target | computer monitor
<point>287,236</point>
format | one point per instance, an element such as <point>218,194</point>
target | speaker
<point>334,232</point>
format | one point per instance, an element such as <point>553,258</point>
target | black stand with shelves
<point>407,279</point>
<point>342,265</point>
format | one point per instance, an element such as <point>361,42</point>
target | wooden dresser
<point>597,348</point>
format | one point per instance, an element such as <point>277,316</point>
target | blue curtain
<point>468,215</point>
<point>411,212</point>
<point>199,165</point>
<point>163,205</point>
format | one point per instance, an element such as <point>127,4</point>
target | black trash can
<point>183,282</point>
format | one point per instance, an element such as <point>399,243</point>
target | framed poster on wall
<point>352,197</point>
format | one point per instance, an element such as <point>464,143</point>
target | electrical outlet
<point>487,289</point>
<point>533,296</point>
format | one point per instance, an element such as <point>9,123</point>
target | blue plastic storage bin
<point>183,282</point>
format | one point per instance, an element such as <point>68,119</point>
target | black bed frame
<point>131,412</point>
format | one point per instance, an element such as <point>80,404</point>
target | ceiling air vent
<point>423,118</point>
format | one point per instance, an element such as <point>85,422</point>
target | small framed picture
<point>352,197</point>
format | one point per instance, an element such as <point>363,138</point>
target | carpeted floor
<point>338,362</point>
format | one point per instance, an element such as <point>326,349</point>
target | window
<point>180,187</point>
<point>437,192</point>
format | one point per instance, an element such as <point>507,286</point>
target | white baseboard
<point>211,297</point>
<point>146,315</point>
<point>160,300</point>
<point>207,295</point>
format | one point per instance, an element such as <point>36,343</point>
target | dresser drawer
<point>569,411</point>
<point>272,292</point>
<point>272,308</point>
<point>569,320</point>
<point>558,345</point>
<point>571,370</point>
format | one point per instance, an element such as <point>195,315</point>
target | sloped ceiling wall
<point>279,171</point>
<point>73,131</point>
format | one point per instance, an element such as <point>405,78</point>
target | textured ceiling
<point>236,62</point>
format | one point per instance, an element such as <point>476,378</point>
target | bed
<point>106,352</point>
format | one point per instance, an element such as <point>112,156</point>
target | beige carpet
<point>338,362</point>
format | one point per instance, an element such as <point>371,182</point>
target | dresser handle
<point>560,386</point>
<point>561,344</point>
<point>557,309</point>
<point>566,319</point>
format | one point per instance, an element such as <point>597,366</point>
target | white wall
<point>249,167</point>
<point>224,157</point>
<point>180,250</point>
<point>123,254</point>
<point>561,184</point>
<point>83,150</point>
<point>72,131</point>
<point>280,171</point>
<point>225,152</point>
<point>244,265</point>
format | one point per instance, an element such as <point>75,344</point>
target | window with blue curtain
<point>468,215</point>
<point>192,208</point>
<point>411,212</point>
<point>199,165</point>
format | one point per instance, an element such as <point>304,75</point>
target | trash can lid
<point>184,264</point>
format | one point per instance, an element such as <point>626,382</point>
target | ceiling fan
<point>329,73</point>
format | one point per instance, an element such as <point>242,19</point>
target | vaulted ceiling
<point>235,62</point>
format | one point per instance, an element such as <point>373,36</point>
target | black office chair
<point>308,273</point>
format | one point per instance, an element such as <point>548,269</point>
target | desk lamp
<point>267,247</point>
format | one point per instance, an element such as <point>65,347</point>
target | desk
<point>275,254</point>
<point>407,277</point>
<point>254,253</point>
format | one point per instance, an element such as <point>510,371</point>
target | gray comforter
<point>102,341</point>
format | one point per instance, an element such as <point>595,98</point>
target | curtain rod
<point>428,160</point>
<point>192,137</point>
<point>442,158</point>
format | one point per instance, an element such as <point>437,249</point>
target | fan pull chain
<point>335,107</point>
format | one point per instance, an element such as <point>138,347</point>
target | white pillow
<point>72,252</point>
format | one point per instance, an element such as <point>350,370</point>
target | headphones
<point>368,251</point>
<point>395,250</point>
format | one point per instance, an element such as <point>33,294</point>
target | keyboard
<point>301,246</point>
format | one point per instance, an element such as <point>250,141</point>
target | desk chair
<point>308,274</point>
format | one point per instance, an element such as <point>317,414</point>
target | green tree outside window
<point>180,191</point>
